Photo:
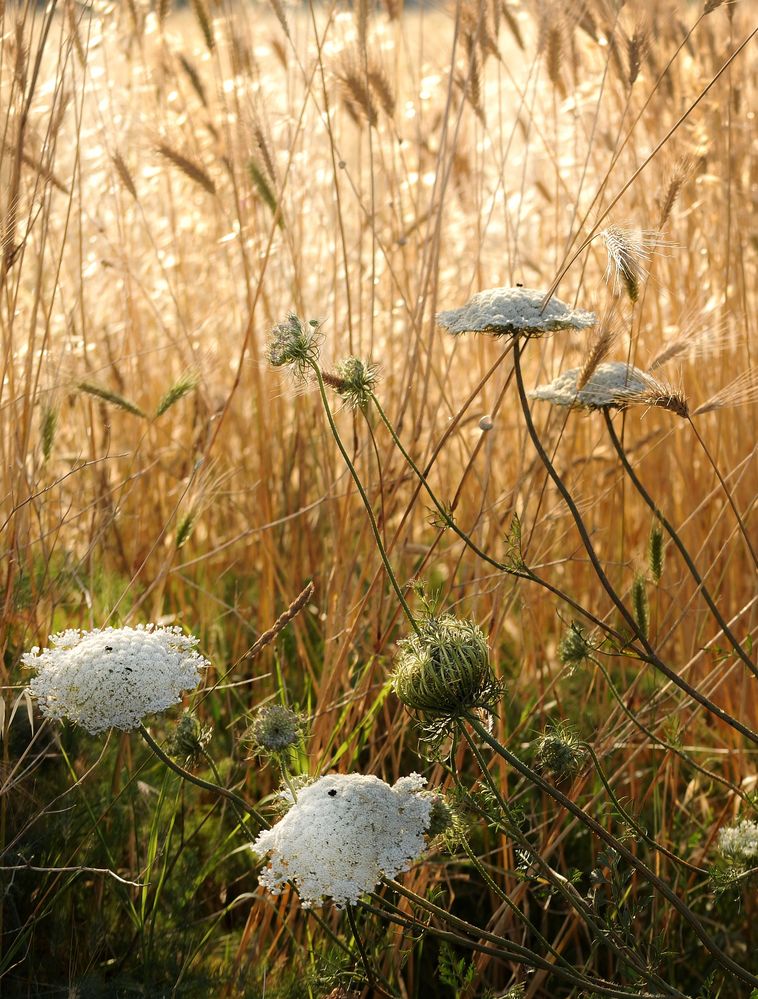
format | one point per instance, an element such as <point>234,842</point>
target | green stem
<point>724,960</point>
<point>364,497</point>
<point>653,659</point>
<point>193,779</point>
<point>359,944</point>
<point>671,531</point>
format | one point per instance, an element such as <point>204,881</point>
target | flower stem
<point>206,784</point>
<point>533,777</point>
<point>364,497</point>
<point>653,657</point>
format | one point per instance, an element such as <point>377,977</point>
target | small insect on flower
<point>510,311</point>
<point>114,677</point>
<point>343,834</point>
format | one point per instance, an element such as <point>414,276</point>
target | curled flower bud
<point>275,729</point>
<point>355,381</point>
<point>559,752</point>
<point>441,816</point>
<point>444,670</point>
<point>574,647</point>
<point>187,744</point>
<point>295,344</point>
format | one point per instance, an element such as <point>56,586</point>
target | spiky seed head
<point>655,552</point>
<point>354,380</point>
<point>188,742</point>
<point>295,344</point>
<point>275,729</point>
<point>559,752</point>
<point>444,670</point>
<point>640,605</point>
<point>575,647</point>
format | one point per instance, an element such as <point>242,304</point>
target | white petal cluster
<point>344,832</point>
<point>501,311</point>
<point>613,383</point>
<point>740,843</point>
<point>113,677</point>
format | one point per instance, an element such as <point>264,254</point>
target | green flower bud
<point>355,381</point>
<point>444,670</point>
<point>275,729</point>
<point>558,751</point>
<point>187,744</point>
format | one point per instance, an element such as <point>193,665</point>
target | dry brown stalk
<point>599,349</point>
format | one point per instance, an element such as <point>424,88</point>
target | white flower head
<point>507,311</point>
<point>112,678</point>
<point>343,834</point>
<point>740,843</point>
<point>613,384</point>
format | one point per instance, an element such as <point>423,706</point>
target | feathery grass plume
<point>73,27</point>
<point>295,345</point>
<point>554,57</point>
<point>655,551</point>
<point>676,181</point>
<point>741,391</point>
<point>700,335</point>
<point>184,530</point>
<point>628,250</point>
<point>710,5</point>
<point>444,671</point>
<point>164,9</point>
<point>49,424</point>
<point>354,380</point>
<point>278,8</point>
<point>188,167</point>
<point>124,174</point>
<point>203,18</point>
<point>640,605</point>
<point>599,349</point>
<point>181,387</point>
<point>380,84</point>
<point>108,395</point>
<point>559,752</point>
<point>513,25</point>
<point>263,188</point>
<point>259,134</point>
<point>357,92</point>
<point>636,46</point>
<point>194,78</point>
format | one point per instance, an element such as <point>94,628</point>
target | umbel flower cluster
<point>114,677</point>
<point>343,834</point>
<point>612,385</point>
<point>739,843</point>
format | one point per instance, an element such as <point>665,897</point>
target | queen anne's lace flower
<point>612,384</point>
<point>343,834</point>
<point>740,843</point>
<point>502,311</point>
<point>112,678</point>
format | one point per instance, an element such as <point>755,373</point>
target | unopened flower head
<point>343,834</point>
<point>189,739</point>
<point>444,670</point>
<point>508,311</point>
<point>559,752</point>
<point>114,677</point>
<point>295,344</point>
<point>574,647</point>
<point>275,729</point>
<point>739,843</point>
<point>355,381</point>
<point>612,385</point>
<point>441,817</point>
